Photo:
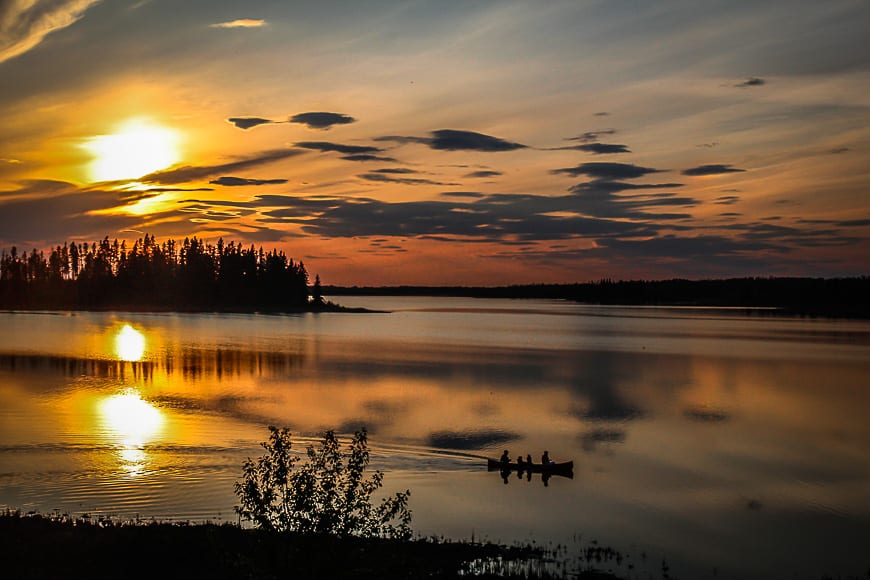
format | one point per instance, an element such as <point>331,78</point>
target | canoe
<point>563,468</point>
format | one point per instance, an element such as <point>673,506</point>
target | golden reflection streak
<point>131,423</point>
<point>129,344</point>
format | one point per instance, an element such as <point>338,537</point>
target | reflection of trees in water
<point>191,364</point>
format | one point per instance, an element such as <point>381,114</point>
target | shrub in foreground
<point>327,494</point>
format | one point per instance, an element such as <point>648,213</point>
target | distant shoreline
<point>830,297</point>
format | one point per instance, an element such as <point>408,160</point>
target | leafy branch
<point>327,494</point>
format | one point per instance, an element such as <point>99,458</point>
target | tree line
<point>190,275</point>
<point>822,296</point>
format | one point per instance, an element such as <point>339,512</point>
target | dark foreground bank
<point>63,547</point>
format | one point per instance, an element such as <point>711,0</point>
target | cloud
<point>367,157</point>
<point>463,194</point>
<point>600,198</point>
<point>248,122</point>
<point>240,23</point>
<point>192,173</point>
<point>483,174</point>
<point>701,247</point>
<point>455,140</point>
<point>321,120</point>
<point>498,217</point>
<point>625,222</point>
<point>854,223</point>
<point>403,139</point>
<point>713,169</point>
<point>383,178</point>
<point>395,171</point>
<point>726,200</point>
<point>592,136</point>
<point>751,82</point>
<point>792,236</point>
<point>45,210</point>
<point>604,148</point>
<point>261,233</point>
<point>240,181</point>
<point>155,190</point>
<point>602,170</point>
<point>326,146</point>
<point>595,148</point>
<point>25,23</point>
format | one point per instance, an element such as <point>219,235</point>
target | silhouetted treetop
<point>149,275</point>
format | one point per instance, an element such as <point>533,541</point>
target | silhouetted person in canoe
<point>520,464</point>
<point>505,458</point>
<point>529,460</point>
<point>545,459</point>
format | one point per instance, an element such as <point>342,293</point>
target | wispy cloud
<point>369,157</point>
<point>230,181</point>
<point>592,136</point>
<point>395,171</point>
<point>189,173</point>
<point>326,146</point>
<point>49,210</point>
<point>608,170</point>
<point>240,23</point>
<point>25,23</point>
<point>387,178</point>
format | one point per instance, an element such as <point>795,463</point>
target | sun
<point>136,148</point>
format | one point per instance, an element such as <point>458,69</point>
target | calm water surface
<point>730,442</point>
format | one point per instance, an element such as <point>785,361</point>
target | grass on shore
<point>60,546</point>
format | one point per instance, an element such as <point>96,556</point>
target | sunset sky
<point>447,142</point>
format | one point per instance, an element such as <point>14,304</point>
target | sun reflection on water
<point>129,344</point>
<point>131,423</point>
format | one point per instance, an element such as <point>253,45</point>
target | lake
<point>732,443</point>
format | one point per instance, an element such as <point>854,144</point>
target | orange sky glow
<point>491,143</point>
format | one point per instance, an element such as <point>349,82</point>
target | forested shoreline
<point>822,296</point>
<point>190,275</point>
<point>193,275</point>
